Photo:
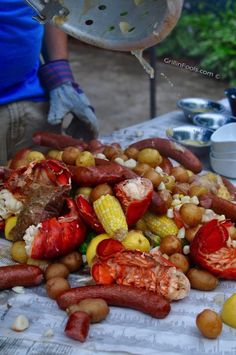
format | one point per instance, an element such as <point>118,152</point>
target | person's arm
<point>55,44</point>
<point>64,93</point>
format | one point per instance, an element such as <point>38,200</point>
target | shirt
<point>20,47</point>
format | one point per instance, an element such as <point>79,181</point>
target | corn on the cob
<point>141,225</point>
<point>111,216</point>
<point>223,193</point>
<point>160,225</point>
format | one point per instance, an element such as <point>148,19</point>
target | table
<point>125,331</point>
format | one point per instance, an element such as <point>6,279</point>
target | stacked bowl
<point>223,150</point>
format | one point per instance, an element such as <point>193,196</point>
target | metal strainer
<point>123,25</point>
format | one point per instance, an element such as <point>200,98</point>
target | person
<point>36,96</point>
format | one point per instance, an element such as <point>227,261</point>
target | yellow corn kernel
<point>224,193</point>
<point>160,225</point>
<point>111,216</point>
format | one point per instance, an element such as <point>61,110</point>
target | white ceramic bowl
<point>223,140</point>
<point>225,167</point>
<point>224,155</point>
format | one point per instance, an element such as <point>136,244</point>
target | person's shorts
<point>19,120</point>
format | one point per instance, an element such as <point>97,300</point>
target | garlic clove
<point>20,323</point>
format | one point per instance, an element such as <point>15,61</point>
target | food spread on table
<point>145,222</point>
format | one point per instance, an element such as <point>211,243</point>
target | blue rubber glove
<point>67,97</point>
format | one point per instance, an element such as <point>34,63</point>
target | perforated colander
<point>123,25</point>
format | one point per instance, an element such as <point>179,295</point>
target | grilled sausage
<point>57,141</point>
<point>219,205</point>
<point>20,275</point>
<point>77,326</point>
<point>172,150</point>
<point>118,295</point>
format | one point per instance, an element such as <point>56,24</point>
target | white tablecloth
<point>124,331</point>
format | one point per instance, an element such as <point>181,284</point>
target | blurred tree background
<point>205,34</point>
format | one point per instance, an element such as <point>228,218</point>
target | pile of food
<point>142,221</point>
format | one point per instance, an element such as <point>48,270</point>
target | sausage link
<point>118,295</point>
<point>95,146</point>
<point>57,141</point>
<point>159,203</point>
<point>104,172</point>
<point>77,326</point>
<point>20,275</point>
<point>166,165</point>
<point>231,188</point>
<point>172,150</point>
<point>219,205</point>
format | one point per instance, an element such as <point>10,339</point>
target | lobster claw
<point>212,249</point>
<point>55,237</point>
<point>88,215</point>
<point>105,250</point>
<point>135,197</point>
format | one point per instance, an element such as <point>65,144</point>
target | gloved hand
<point>67,97</point>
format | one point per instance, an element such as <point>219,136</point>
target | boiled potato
<point>170,245</point>
<point>18,252</point>
<point>209,323</point>
<point>135,239</point>
<point>84,191</point>
<point>55,286</point>
<point>72,261</point>
<point>35,156</point>
<point>141,169</point>
<point>70,155</point>
<point>202,280</point>
<point>149,156</point>
<point>180,174</point>
<point>110,150</point>
<point>55,154</point>
<point>100,190</point>
<point>154,177</point>
<point>56,270</point>
<point>180,261</point>
<point>191,214</point>
<point>131,152</point>
<point>96,308</point>
<point>169,182</point>
<point>85,158</point>
<point>191,232</point>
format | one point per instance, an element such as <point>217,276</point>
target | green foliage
<point>208,37</point>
